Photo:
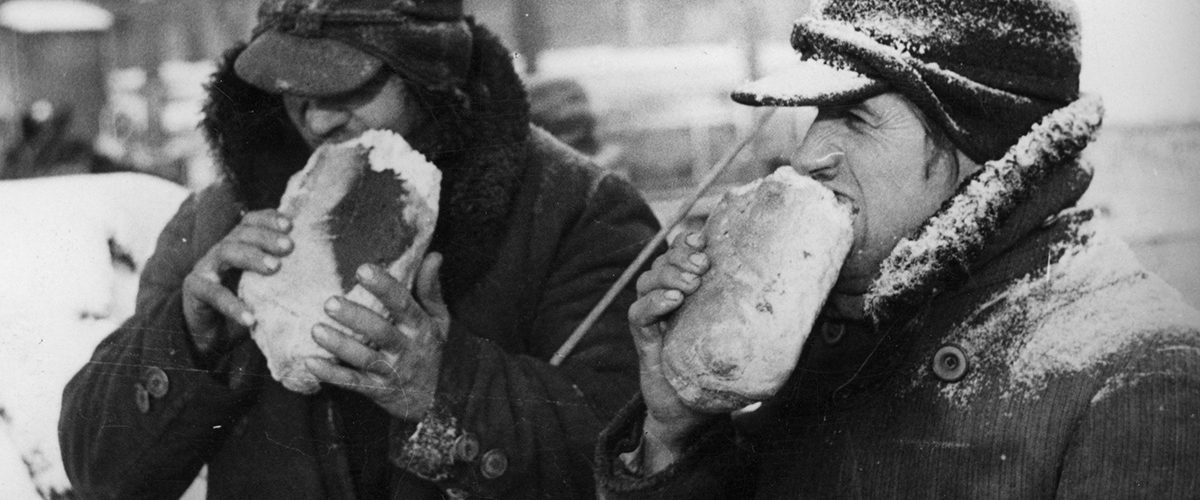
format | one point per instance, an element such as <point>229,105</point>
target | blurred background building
<point>641,85</point>
<point>654,75</point>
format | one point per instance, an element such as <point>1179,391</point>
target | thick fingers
<point>429,286</point>
<point>680,268</point>
<point>687,259</point>
<point>268,219</point>
<point>652,307</point>
<point>664,275</point>
<point>347,349</point>
<point>693,241</point>
<point>365,322</point>
<point>330,373</point>
<point>235,255</point>
<point>367,384</point>
<point>210,291</point>
<point>384,287</point>
<point>267,240</point>
<point>407,315</point>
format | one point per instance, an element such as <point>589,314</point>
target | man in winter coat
<point>984,339</point>
<point>530,235</point>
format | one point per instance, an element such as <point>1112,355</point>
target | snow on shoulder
<point>963,226</point>
<point>1091,304</point>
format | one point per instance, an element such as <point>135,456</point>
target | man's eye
<point>824,174</point>
<point>845,113</point>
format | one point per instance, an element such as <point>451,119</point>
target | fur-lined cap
<point>984,70</point>
<point>327,47</point>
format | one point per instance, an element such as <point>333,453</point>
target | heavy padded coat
<point>533,236</point>
<point>1047,364</point>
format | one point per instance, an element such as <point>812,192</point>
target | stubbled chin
<point>855,278</point>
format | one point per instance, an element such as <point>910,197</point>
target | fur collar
<point>987,212</point>
<point>480,145</point>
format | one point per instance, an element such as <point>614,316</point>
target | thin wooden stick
<point>648,250</point>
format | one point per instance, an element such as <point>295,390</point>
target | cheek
<point>382,116</point>
<point>890,204</point>
<point>392,109</point>
<point>292,107</point>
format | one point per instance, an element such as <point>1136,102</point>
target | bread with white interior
<point>368,200</point>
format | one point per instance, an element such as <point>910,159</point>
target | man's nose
<point>322,121</point>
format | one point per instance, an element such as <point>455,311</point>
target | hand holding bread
<point>661,290</point>
<point>369,201</point>
<point>216,318</point>
<point>722,315</point>
<point>777,246</point>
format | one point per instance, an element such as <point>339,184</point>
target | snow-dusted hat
<point>326,47</point>
<point>984,70</point>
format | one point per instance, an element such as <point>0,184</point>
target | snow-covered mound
<point>73,248</point>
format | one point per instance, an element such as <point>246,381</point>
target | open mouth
<point>847,202</point>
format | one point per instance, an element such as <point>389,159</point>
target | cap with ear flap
<point>984,70</point>
<point>328,47</point>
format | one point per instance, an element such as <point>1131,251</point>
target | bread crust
<point>290,302</point>
<point>776,247</point>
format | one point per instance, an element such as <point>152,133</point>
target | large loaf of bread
<point>369,200</point>
<point>776,247</point>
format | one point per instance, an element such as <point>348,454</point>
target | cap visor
<point>281,63</point>
<point>809,83</point>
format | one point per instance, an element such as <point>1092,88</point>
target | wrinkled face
<point>381,103</point>
<point>880,156</point>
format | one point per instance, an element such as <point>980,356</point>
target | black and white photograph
<point>612,249</point>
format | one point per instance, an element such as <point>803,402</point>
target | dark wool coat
<point>1047,364</point>
<point>533,236</point>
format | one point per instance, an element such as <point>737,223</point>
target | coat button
<point>141,396</point>
<point>950,363</point>
<point>466,447</point>
<point>832,333</point>
<point>156,381</point>
<point>493,464</point>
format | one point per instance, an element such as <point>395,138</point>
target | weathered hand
<point>395,361</point>
<point>255,245</point>
<point>661,290</point>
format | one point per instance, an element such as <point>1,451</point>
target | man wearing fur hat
<point>530,235</point>
<point>984,339</point>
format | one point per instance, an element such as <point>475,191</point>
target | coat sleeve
<point>508,423</point>
<point>713,467</point>
<point>140,419</point>
<point>1140,437</point>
